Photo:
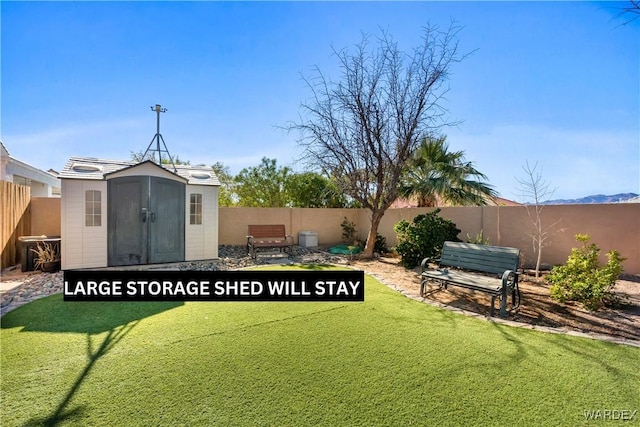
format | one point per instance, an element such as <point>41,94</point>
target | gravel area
<point>22,288</point>
<point>235,258</point>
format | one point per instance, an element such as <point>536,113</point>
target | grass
<point>387,361</point>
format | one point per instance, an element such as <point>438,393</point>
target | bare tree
<point>630,12</point>
<point>534,189</point>
<point>364,128</point>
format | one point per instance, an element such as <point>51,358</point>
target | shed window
<point>195,209</point>
<point>93,212</point>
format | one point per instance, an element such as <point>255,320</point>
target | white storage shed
<point>125,213</point>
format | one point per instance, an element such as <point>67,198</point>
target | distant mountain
<point>598,198</point>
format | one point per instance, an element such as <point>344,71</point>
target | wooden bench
<point>460,264</point>
<point>268,236</point>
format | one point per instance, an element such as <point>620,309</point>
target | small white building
<point>125,213</point>
<point>42,184</point>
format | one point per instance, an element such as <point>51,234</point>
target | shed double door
<point>145,220</point>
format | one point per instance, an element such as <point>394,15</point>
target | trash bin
<point>27,243</point>
<point>308,239</point>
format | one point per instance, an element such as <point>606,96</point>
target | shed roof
<point>97,169</point>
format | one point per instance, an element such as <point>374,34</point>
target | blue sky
<point>556,83</point>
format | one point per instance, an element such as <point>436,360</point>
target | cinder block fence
<point>611,226</point>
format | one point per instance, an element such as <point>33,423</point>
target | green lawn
<point>388,361</point>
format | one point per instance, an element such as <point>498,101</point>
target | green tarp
<point>345,250</point>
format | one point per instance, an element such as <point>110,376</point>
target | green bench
<point>490,269</point>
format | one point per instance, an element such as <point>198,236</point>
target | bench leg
<point>516,296</point>
<point>503,303</point>
<point>503,306</point>
<point>423,283</point>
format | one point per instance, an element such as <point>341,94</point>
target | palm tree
<point>435,172</point>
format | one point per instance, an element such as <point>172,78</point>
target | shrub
<point>582,280</point>
<point>348,230</point>
<point>424,237</point>
<point>380,245</point>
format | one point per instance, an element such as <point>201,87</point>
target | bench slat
<point>481,248</point>
<point>480,255</point>
<point>263,244</point>
<point>489,259</point>
<point>487,266</point>
<point>267,230</point>
<point>471,280</point>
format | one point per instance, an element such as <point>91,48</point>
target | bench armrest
<point>289,239</point>
<point>506,283</point>
<point>424,264</point>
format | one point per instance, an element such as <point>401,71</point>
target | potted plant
<point>47,257</point>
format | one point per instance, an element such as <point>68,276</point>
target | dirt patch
<point>537,307</point>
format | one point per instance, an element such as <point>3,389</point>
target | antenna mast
<point>157,138</point>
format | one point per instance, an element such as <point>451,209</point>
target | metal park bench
<point>268,236</point>
<point>461,263</point>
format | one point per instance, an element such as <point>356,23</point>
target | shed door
<point>145,220</point>
<point>166,225</point>
<point>128,201</point>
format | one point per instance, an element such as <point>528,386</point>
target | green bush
<point>424,237</point>
<point>348,230</point>
<point>380,245</point>
<point>582,279</point>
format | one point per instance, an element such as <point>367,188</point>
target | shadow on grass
<point>587,349</point>
<point>52,314</point>
<point>60,414</point>
<point>315,266</point>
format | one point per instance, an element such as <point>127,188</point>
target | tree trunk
<point>539,259</point>
<point>376,216</point>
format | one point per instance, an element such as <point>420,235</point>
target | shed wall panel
<point>82,246</point>
<point>210,212</point>
<point>201,240</point>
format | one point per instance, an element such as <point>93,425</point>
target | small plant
<point>424,237</point>
<point>582,279</point>
<point>380,245</point>
<point>479,239</point>
<point>45,252</point>
<point>348,230</point>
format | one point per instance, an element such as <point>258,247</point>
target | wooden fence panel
<point>15,220</point>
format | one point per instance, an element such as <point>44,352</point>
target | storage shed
<point>125,213</point>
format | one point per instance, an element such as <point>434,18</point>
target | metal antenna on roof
<point>157,138</point>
